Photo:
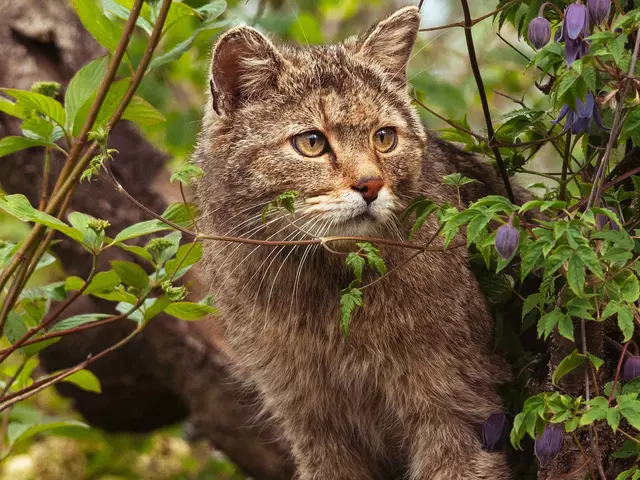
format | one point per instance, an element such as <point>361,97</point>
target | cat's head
<point>334,123</point>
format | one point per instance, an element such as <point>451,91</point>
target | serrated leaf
<point>613,418</point>
<point>531,302</point>
<point>547,322</point>
<point>374,260</point>
<point>630,289</point>
<point>590,259</point>
<point>350,298</point>
<point>565,327</point>
<point>356,263</point>
<point>567,365</point>
<point>143,113</point>
<point>575,275</point>
<point>630,409</point>
<point>625,321</point>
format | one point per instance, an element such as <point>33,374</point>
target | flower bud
<point>493,431</point>
<point>576,20</point>
<point>631,368</point>
<point>548,445</point>
<point>507,238</point>
<point>598,10</point>
<point>539,32</point>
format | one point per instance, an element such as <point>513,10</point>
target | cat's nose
<point>368,188</point>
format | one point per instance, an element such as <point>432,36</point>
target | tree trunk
<point>171,371</point>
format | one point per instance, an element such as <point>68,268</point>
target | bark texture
<point>172,371</point>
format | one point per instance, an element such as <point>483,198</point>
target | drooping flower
<point>598,10</point>
<point>575,29</point>
<point>579,120</point>
<point>631,368</point>
<point>539,32</point>
<point>548,445</point>
<point>494,431</point>
<point>507,238</point>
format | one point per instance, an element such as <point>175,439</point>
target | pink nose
<point>368,188</point>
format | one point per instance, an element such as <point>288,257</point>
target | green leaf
<point>531,302</point>
<point>182,214</point>
<point>575,275</point>
<point>476,227</point>
<point>457,180</point>
<point>84,379</point>
<point>625,321</point>
<point>356,263</point>
<point>547,322</point>
<point>82,86</point>
<point>590,259</point>
<point>140,229</point>
<point>111,102</point>
<point>131,274</point>
<point>186,256</point>
<point>598,411</point>
<point>630,289</point>
<point>597,362</point>
<point>103,281</point>
<point>350,298</point>
<point>374,259</point>
<point>18,206</point>
<point>611,309</point>
<point>97,24</point>
<point>613,418</point>
<point>189,310</point>
<point>531,204</point>
<point>159,305</point>
<point>177,51</point>
<point>122,9</point>
<point>142,112</point>
<point>630,409</point>
<point>10,108</point>
<point>40,103</point>
<point>15,328</point>
<point>18,432</point>
<point>9,145</point>
<point>186,174</point>
<point>78,320</point>
<point>567,365</point>
<point>565,327</point>
<point>530,257</point>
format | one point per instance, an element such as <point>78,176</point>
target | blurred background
<point>439,70</point>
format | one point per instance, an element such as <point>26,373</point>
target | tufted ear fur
<point>389,43</point>
<point>244,63</point>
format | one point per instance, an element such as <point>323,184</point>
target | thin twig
<point>483,98</point>
<point>565,166</point>
<point>473,22</point>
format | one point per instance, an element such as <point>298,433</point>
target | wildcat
<point>406,395</point>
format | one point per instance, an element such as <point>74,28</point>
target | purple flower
<point>576,21</point>
<point>631,368</point>
<point>507,238</point>
<point>547,445</point>
<point>579,120</point>
<point>539,32</point>
<point>493,431</point>
<point>575,29</point>
<point>598,10</point>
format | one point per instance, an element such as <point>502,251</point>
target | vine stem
<point>468,23</point>
<point>618,368</point>
<point>565,166</point>
<point>596,192</point>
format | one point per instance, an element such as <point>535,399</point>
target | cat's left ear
<point>389,43</point>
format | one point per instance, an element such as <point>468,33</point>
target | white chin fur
<point>349,214</point>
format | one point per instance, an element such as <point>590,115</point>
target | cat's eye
<point>385,139</point>
<point>310,144</point>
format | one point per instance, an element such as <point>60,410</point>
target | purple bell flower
<point>548,445</point>
<point>494,431</point>
<point>575,29</point>
<point>598,10</point>
<point>539,32</point>
<point>631,368</point>
<point>579,120</point>
<point>507,238</point>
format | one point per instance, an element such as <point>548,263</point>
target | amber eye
<point>385,139</point>
<point>310,144</point>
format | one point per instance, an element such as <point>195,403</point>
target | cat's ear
<point>389,43</point>
<point>243,64</point>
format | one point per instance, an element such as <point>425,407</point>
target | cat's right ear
<point>243,64</point>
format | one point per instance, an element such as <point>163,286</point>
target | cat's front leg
<point>325,453</point>
<point>448,449</point>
